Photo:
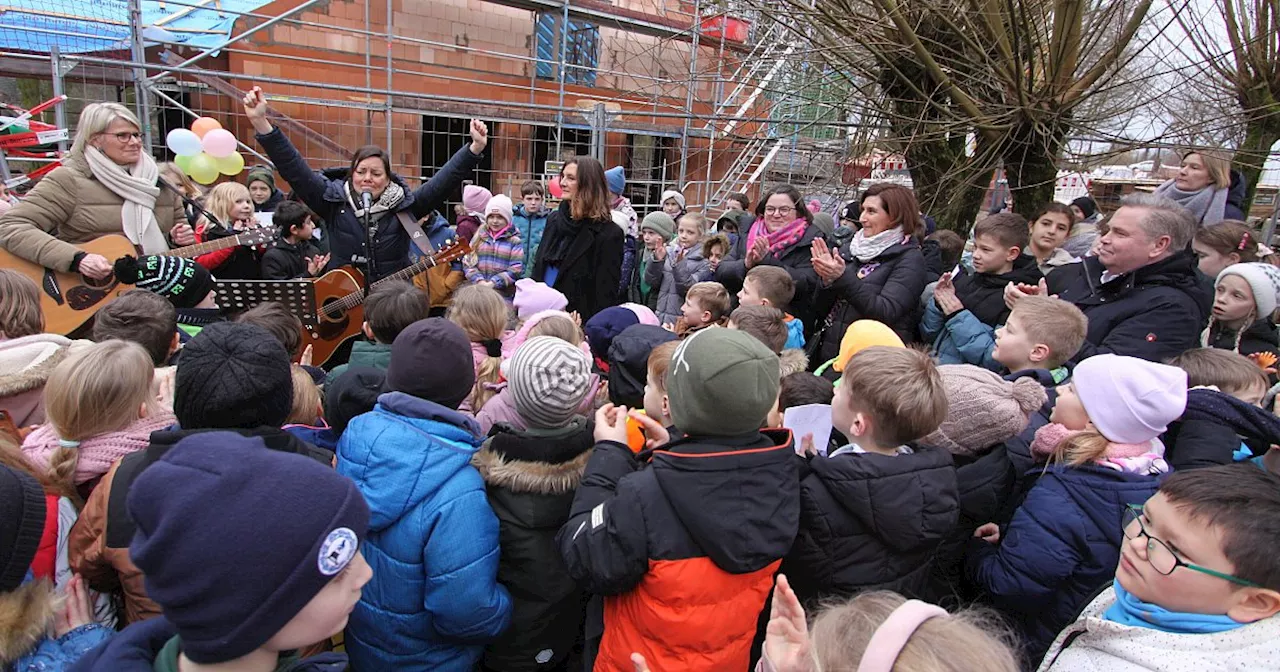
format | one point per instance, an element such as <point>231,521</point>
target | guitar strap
<point>416,234</point>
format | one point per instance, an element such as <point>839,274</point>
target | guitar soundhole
<point>104,284</point>
<point>332,322</point>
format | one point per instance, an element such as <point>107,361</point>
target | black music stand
<point>236,296</point>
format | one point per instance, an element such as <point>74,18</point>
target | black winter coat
<point>530,478</point>
<point>1018,448</point>
<point>985,485</point>
<point>983,293</point>
<point>592,266</point>
<point>1261,336</point>
<point>797,260</point>
<point>886,289</point>
<point>326,194</point>
<point>285,260</point>
<point>1153,313</point>
<point>871,522</point>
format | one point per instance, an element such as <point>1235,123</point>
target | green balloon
<point>184,163</point>
<point>204,168</point>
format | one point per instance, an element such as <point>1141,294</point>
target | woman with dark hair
<point>780,236</point>
<point>581,251</point>
<point>878,275</point>
<point>336,195</point>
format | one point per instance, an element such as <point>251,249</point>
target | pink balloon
<point>554,187</point>
<point>219,143</point>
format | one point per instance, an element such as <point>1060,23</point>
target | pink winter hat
<point>1130,400</point>
<point>474,199</point>
<point>500,204</point>
<point>533,297</point>
<point>643,313</point>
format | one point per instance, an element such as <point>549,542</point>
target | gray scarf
<point>1208,205</point>
<point>387,202</point>
<point>865,248</point>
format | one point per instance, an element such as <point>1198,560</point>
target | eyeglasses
<point>784,210</point>
<point>1161,557</point>
<point>125,136</point>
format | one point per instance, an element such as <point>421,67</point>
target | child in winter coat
<point>706,304</point>
<point>684,539</point>
<point>308,525</point>
<point>433,539</point>
<point>873,512</point>
<point>292,256</point>
<point>1197,585</point>
<point>624,215</point>
<point>605,325</point>
<point>483,316</point>
<point>961,320</point>
<point>673,204</point>
<point>983,411</point>
<point>232,377</point>
<point>656,230</point>
<point>100,407</point>
<point>231,204</point>
<point>390,307</point>
<point>497,259</point>
<point>530,475</point>
<point>1244,300</point>
<point>681,265</point>
<point>530,220</point>
<point>186,284</point>
<point>1041,333</point>
<point>27,356</point>
<point>1063,541</point>
<point>37,633</point>
<point>773,286</point>
<point>150,321</point>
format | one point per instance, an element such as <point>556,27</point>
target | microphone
<point>366,200</point>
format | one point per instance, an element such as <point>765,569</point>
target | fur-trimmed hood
<point>25,363</point>
<point>536,462</point>
<point>792,360</point>
<point>26,615</point>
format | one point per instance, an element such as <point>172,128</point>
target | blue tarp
<point>83,26</point>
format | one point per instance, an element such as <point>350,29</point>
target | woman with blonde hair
<point>1203,187</point>
<point>483,314</point>
<point>179,180</point>
<point>100,407</point>
<point>106,184</point>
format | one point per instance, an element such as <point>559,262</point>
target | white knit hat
<point>1130,400</point>
<point>1263,279</point>
<point>549,378</point>
<point>672,193</point>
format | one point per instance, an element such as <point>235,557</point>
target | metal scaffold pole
<point>141,101</point>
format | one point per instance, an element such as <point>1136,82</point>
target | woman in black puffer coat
<point>879,275</point>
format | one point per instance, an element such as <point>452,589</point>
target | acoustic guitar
<point>69,300</point>
<point>339,301</point>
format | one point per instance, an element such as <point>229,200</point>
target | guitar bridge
<point>50,283</point>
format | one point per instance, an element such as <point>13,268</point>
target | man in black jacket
<point>1141,293</point>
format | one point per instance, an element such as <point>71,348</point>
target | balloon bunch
<point>205,150</point>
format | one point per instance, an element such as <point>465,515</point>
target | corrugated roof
<point>82,26</point>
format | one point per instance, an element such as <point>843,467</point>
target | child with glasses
<point>1103,454</point>
<point>1197,585</point>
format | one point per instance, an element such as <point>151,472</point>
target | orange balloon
<point>204,125</point>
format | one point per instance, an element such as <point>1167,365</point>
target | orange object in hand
<point>635,435</point>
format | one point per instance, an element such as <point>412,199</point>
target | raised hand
<point>759,250</point>
<point>255,107</point>
<point>786,641</point>
<point>479,136</point>
<point>660,253</point>
<point>316,264</point>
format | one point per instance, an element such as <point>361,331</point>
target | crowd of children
<point>507,486</point>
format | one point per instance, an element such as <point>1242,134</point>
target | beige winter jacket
<point>70,205</point>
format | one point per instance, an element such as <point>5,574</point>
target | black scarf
<point>559,238</point>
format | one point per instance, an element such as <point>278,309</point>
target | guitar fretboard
<point>204,248</point>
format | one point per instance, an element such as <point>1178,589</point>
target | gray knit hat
<point>548,379</point>
<point>983,409</point>
<point>660,223</point>
<point>722,382</point>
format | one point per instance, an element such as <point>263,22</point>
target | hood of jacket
<point>542,462</point>
<point>338,179</point>
<point>629,362</point>
<point>370,354</point>
<point>26,362</point>
<point>407,435</point>
<point>25,615</point>
<point>751,481</point>
<point>791,360</point>
<point>906,501</point>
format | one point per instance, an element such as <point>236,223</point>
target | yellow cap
<point>861,335</point>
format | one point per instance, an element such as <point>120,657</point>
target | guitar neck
<point>356,298</point>
<point>204,248</point>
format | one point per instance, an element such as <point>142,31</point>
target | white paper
<point>265,219</point>
<point>812,419</point>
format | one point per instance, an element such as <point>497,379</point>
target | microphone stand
<point>370,237</point>
<point>190,202</point>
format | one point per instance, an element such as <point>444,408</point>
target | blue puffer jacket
<point>530,227</point>
<point>434,600</point>
<point>1060,548</point>
<point>58,653</point>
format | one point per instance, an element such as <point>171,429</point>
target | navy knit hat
<point>235,539</point>
<point>431,359</point>
<point>232,376</point>
<point>22,517</point>
<point>604,326</point>
<point>182,281</point>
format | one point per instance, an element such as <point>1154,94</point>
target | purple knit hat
<point>474,199</point>
<point>533,297</point>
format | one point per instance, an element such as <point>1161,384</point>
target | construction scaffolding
<point>702,96</point>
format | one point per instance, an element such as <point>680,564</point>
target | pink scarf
<point>1145,458</point>
<point>781,239</point>
<point>98,453</point>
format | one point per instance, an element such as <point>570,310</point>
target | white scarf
<point>1208,205</point>
<point>866,248</point>
<point>137,186</point>
<point>387,202</point>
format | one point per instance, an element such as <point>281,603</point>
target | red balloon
<point>554,187</point>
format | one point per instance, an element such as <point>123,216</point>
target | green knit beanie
<point>721,382</point>
<point>660,223</point>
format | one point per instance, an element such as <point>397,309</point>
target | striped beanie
<point>548,379</point>
<point>182,281</point>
